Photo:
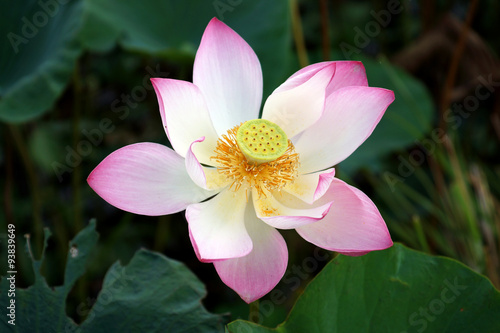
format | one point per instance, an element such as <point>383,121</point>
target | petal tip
<point>393,97</point>
<point>91,179</point>
<point>250,298</point>
<point>215,23</point>
<point>388,243</point>
<point>328,206</point>
<point>214,20</point>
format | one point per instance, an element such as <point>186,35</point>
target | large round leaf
<point>397,290</point>
<point>175,27</point>
<point>37,55</point>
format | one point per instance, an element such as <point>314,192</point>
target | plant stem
<point>76,175</point>
<point>467,207</point>
<point>455,61</point>
<point>32,183</point>
<point>253,315</point>
<point>325,38</point>
<point>7,193</point>
<point>417,223</point>
<point>162,230</point>
<point>81,286</point>
<point>298,34</point>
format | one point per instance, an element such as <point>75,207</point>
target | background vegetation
<point>74,86</point>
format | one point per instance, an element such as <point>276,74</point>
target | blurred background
<point>74,87</point>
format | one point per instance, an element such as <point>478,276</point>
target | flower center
<point>256,155</point>
<point>261,140</point>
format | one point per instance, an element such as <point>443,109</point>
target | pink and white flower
<point>234,204</point>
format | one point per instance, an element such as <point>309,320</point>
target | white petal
<point>207,178</point>
<point>296,109</point>
<point>311,187</point>
<point>185,117</point>
<point>217,226</point>
<point>271,210</point>
<point>228,73</point>
<point>194,168</point>
<point>257,273</point>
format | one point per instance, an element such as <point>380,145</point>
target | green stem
<point>254,315</point>
<point>81,286</point>
<point>76,175</point>
<point>467,206</point>
<point>7,193</point>
<point>325,38</point>
<point>32,183</point>
<point>417,223</point>
<point>298,35</point>
<point>454,64</point>
<point>162,230</point>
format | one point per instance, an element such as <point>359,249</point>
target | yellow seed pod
<point>261,140</point>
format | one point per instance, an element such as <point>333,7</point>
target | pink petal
<point>197,252</point>
<point>147,179</point>
<point>257,273</point>
<point>228,73</point>
<point>350,116</point>
<point>297,108</point>
<point>311,187</point>
<point>276,210</point>
<point>194,168</point>
<point>302,76</point>
<point>217,226</point>
<point>355,254</point>
<point>180,103</point>
<point>347,73</point>
<point>352,226</point>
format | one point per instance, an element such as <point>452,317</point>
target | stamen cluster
<point>271,176</point>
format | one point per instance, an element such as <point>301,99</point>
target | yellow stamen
<point>245,174</point>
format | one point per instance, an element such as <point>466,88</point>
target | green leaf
<point>41,308</point>
<point>37,55</point>
<point>167,28</point>
<point>396,290</point>
<point>151,294</point>
<point>45,38</point>
<point>408,119</point>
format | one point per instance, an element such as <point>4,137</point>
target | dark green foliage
<point>150,294</point>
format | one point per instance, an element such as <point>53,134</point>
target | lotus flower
<point>241,178</point>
